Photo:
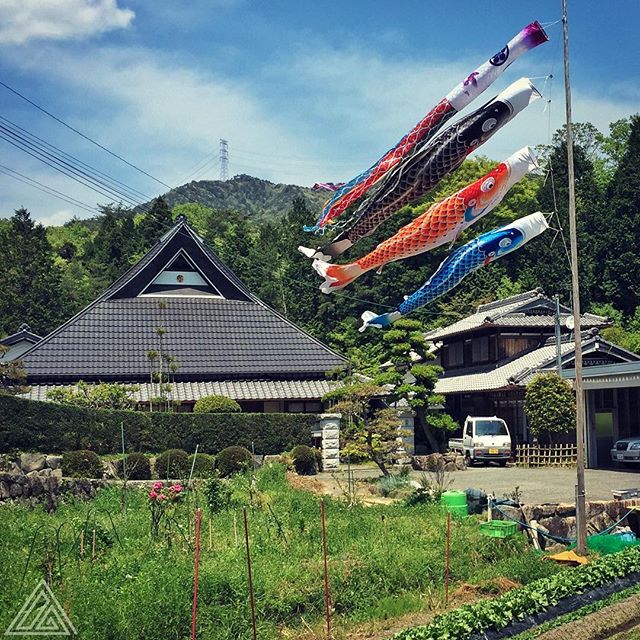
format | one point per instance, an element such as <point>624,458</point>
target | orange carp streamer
<point>440,224</point>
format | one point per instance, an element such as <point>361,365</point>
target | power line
<point>86,137</point>
<point>40,141</point>
<point>46,189</point>
<point>60,164</point>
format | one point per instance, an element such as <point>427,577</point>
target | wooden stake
<point>82,544</point>
<point>93,546</point>
<point>194,611</point>
<point>210,536</point>
<point>327,600</point>
<point>250,575</point>
<point>235,528</point>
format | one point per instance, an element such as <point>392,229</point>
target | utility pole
<point>581,521</point>
<point>558,336</point>
<point>224,160</point>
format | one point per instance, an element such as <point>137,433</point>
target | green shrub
<point>81,464</point>
<point>137,465</point>
<point>29,425</point>
<point>217,493</point>
<point>305,460</point>
<point>233,460</point>
<point>204,465</point>
<point>216,404</point>
<point>173,463</point>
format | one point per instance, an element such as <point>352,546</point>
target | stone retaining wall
<point>560,519</point>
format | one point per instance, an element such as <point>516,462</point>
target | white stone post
<point>329,427</point>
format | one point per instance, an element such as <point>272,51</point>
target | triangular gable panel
<point>208,267</point>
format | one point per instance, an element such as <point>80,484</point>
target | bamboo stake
<point>250,575</point>
<point>446,574</point>
<point>82,544</point>
<point>327,601</point>
<point>210,536</point>
<point>93,546</point>
<point>194,612</point>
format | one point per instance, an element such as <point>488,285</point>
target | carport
<point>612,407</point>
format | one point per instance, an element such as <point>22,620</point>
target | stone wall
<point>449,461</point>
<point>560,519</point>
<point>37,479</point>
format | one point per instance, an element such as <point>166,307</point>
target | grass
<point>384,561</point>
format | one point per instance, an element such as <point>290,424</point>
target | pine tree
<point>617,238</point>
<point>30,282</point>
<point>156,222</point>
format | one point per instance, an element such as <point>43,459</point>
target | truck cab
<point>484,439</point>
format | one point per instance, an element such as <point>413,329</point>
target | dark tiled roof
<point>212,338</point>
<point>23,333</point>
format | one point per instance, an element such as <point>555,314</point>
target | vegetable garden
<point>122,566</point>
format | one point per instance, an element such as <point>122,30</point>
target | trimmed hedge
<point>81,464</point>
<point>138,467</point>
<point>216,404</point>
<point>173,463</point>
<point>233,460</point>
<point>29,425</point>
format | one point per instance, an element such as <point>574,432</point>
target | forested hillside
<point>48,275</point>
<point>259,199</point>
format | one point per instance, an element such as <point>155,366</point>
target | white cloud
<point>24,20</point>
<point>57,218</point>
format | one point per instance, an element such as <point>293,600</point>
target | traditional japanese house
<point>489,357</point>
<point>182,316</point>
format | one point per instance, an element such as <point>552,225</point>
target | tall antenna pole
<point>224,160</point>
<point>581,522</point>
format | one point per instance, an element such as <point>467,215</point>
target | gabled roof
<point>519,371</point>
<point>23,334</point>
<point>221,333</point>
<point>530,309</point>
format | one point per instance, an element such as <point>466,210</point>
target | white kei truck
<point>484,439</point>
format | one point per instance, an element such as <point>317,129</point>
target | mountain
<point>260,199</point>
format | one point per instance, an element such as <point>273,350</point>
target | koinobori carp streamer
<point>482,250</point>
<point>423,171</point>
<point>440,224</point>
<point>456,100</point>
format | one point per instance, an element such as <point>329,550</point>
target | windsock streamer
<point>423,171</point>
<point>456,100</point>
<point>483,250</point>
<point>440,224</point>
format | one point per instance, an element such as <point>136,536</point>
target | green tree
<point>617,236</point>
<point>550,406</point>
<point>156,222</point>
<point>12,375</point>
<point>30,281</point>
<point>97,396</point>
<point>367,430</point>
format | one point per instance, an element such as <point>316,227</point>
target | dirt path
<point>620,617</point>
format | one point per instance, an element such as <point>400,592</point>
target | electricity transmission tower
<point>224,159</point>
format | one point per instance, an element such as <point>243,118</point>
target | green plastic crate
<point>498,528</point>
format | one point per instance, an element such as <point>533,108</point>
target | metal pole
<point>581,546</point>
<point>251,597</point>
<point>558,336</point>
<point>194,611</point>
<point>326,571</point>
<point>446,574</point>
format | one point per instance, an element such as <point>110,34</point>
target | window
<point>300,406</point>
<point>491,428</point>
<point>455,354</point>
<point>480,349</point>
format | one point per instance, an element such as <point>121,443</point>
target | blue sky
<point>302,91</point>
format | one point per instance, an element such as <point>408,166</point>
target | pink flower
<point>152,495</point>
<point>176,487</point>
<point>161,496</point>
<point>157,486</point>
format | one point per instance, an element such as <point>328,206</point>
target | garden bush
<point>216,404</point>
<point>173,463</point>
<point>137,465</point>
<point>81,464</point>
<point>204,465</point>
<point>233,460</point>
<point>217,493</point>
<point>29,425</point>
<point>305,460</point>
